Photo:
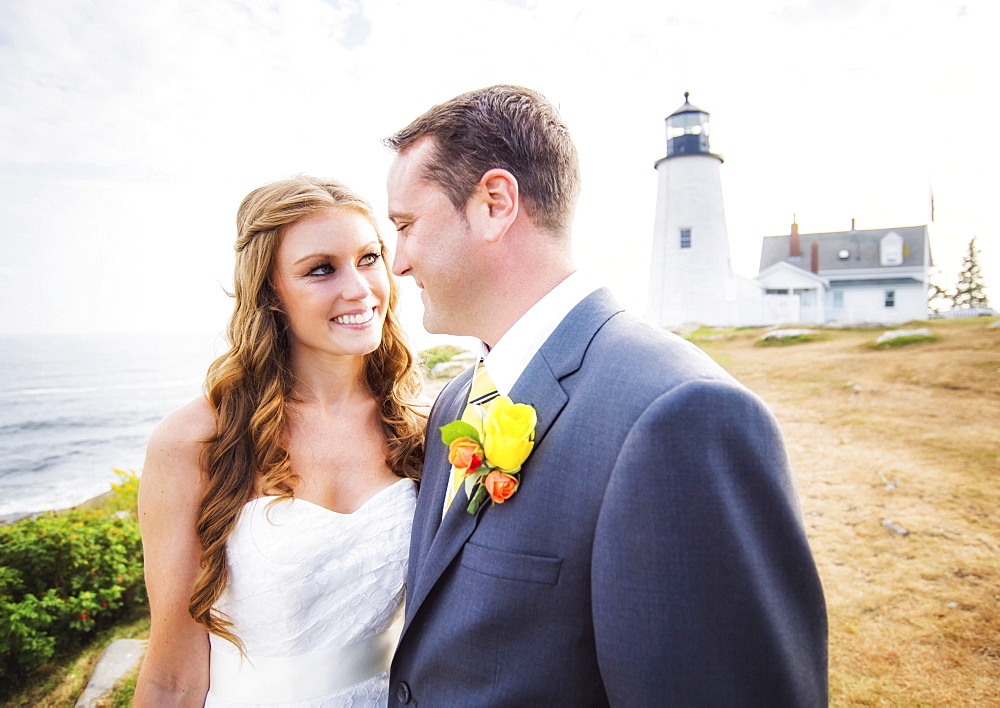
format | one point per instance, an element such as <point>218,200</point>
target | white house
<point>874,275</point>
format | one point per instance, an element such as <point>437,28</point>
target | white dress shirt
<point>508,359</point>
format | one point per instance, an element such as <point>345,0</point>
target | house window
<point>838,298</point>
<point>890,250</point>
<point>890,298</point>
<point>807,297</point>
<point>777,291</point>
<point>685,238</point>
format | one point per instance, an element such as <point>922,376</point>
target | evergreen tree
<point>969,292</point>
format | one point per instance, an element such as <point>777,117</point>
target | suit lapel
<point>560,356</point>
<point>440,541</point>
<point>427,518</point>
<point>454,530</point>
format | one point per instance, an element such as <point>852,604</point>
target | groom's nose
<point>400,264</point>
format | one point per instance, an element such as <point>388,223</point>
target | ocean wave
<point>53,391</point>
<point>71,457</point>
<point>74,408</point>
<point>95,423</point>
<point>76,390</point>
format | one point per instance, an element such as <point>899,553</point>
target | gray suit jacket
<point>653,555</point>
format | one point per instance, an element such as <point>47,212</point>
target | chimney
<point>794,244</point>
<point>814,257</point>
<point>852,225</point>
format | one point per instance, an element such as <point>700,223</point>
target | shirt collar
<point>508,359</point>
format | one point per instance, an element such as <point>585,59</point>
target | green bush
<point>440,353</point>
<point>904,341</point>
<point>126,493</point>
<point>63,575</point>
<point>784,341</point>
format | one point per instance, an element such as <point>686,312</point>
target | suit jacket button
<point>403,692</point>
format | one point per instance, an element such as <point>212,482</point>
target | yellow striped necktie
<point>483,391</point>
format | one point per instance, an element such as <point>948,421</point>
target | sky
<point>129,132</point>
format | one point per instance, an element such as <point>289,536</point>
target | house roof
<point>862,249</point>
<point>786,268</point>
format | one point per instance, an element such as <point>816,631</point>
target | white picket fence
<point>967,312</point>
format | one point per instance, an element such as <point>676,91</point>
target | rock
<point>995,325</point>
<point>468,358</point>
<point>118,659</point>
<point>448,369</point>
<point>923,332</point>
<point>685,329</point>
<point>788,333</point>
<point>855,325</point>
<point>895,528</point>
<point>890,483</point>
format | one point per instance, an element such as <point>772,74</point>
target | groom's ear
<point>494,204</point>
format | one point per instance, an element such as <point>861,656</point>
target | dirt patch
<point>911,436</point>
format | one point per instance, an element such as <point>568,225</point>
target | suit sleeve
<point>704,588</point>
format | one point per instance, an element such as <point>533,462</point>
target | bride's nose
<point>356,286</point>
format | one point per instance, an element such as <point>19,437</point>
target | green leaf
<point>480,496</point>
<point>459,429</point>
<point>474,478</point>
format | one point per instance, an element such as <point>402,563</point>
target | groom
<point>652,551</point>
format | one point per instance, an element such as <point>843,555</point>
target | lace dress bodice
<point>316,598</point>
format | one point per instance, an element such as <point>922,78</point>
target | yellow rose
<point>509,433</point>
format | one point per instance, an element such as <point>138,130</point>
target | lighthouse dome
<point>688,129</point>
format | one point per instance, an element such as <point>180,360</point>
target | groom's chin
<point>436,323</point>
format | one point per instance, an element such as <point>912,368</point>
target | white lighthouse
<point>690,277</point>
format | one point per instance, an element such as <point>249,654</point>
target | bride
<point>276,510</point>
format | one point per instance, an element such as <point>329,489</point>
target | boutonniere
<point>490,457</point>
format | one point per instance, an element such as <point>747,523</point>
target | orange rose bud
<point>465,454</point>
<point>500,486</point>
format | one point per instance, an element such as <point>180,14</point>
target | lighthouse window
<point>685,238</point>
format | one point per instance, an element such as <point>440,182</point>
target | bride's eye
<point>370,259</point>
<point>322,269</point>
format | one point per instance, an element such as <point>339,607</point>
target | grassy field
<point>908,436</point>
<point>61,682</point>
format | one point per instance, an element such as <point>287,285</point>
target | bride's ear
<point>494,204</point>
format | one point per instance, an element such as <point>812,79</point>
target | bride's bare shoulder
<point>182,434</point>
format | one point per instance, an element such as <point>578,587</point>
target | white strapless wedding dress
<point>317,599</point>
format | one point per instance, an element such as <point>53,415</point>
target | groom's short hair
<point>503,126</point>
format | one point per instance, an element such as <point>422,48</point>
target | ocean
<point>75,407</point>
